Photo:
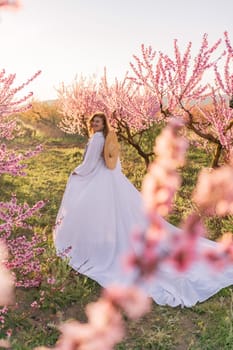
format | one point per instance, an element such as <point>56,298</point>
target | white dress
<point>99,209</point>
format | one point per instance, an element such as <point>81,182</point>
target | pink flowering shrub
<point>24,252</point>
<point>11,162</point>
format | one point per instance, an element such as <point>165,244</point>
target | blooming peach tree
<point>131,110</point>
<point>23,251</point>
<point>180,89</point>
<point>77,102</point>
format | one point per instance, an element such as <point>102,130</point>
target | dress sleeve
<point>92,156</point>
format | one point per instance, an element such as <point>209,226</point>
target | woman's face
<point>97,124</point>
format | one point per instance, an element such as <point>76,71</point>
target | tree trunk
<point>217,155</point>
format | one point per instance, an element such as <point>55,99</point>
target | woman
<point>99,208</point>
<point>98,211</point>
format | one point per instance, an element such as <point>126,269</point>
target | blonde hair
<point>105,122</point>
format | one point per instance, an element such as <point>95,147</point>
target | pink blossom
<point>9,332</point>
<point>126,105</point>
<point>143,259</point>
<point>214,191</point>
<point>183,249</point>
<point>159,187</point>
<point>222,255</point>
<point>171,147</point>
<point>24,252</point>
<point>35,305</point>
<point>162,180</point>
<point>51,280</point>
<point>77,102</point>
<point>101,314</point>
<point>131,299</point>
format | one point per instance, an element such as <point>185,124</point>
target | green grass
<point>205,326</point>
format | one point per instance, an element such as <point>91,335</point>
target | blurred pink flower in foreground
<point>162,180</point>
<point>35,305</point>
<point>131,299</point>
<point>214,191</point>
<point>105,326</point>
<point>157,246</point>
<point>222,256</point>
<point>6,278</point>
<point>103,330</point>
<point>5,344</point>
<point>10,4</point>
<point>183,247</point>
<point>170,146</point>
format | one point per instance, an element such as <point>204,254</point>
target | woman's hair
<point>105,122</point>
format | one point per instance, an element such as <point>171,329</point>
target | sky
<point>66,38</point>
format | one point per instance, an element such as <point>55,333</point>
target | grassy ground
<point>205,326</point>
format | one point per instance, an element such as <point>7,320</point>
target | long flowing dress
<point>99,209</point>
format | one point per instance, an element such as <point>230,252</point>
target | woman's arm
<point>92,156</point>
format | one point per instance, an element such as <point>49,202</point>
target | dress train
<point>99,209</point>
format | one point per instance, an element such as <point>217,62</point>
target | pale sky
<point>64,38</point>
